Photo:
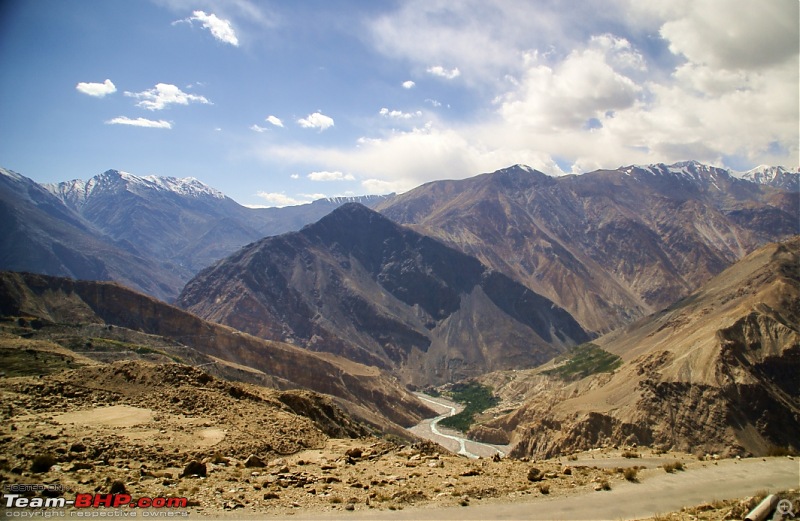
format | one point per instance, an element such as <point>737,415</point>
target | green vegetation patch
<point>476,398</point>
<point>584,360</point>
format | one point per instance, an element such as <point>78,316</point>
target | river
<point>451,439</point>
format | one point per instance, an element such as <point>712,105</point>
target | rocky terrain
<point>363,287</point>
<point>174,431</point>
<point>101,320</point>
<point>715,373</point>
<point>607,246</point>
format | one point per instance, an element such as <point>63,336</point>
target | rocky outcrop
<point>716,373</point>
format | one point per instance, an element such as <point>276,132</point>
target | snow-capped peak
<point>77,191</point>
<point>763,173</point>
<point>10,173</point>
<point>189,186</point>
<point>777,176</point>
<point>691,170</point>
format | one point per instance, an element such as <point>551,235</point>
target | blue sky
<point>282,102</point>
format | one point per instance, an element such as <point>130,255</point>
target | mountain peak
<point>77,192</point>
<point>778,176</point>
<point>520,168</point>
<point>11,174</point>
<point>347,220</point>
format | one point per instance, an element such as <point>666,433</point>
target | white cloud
<point>139,122</point>
<point>280,199</point>
<point>398,114</point>
<point>585,85</point>
<point>485,39</point>
<point>433,102</point>
<point>316,120</point>
<point>274,121</point>
<point>405,160</point>
<point>711,88</point>
<point>256,128</point>
<point>330,176</point>
<point>221,29</point>
<point>448,74</point>
<point>408,84</point>
<point>97,90</point>
<point>619,52</point>
<point>164,94</point>
<point>743,34</point>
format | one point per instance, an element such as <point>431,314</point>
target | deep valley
<point>602,332</point>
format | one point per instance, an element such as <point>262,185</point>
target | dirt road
<point>662,493</point>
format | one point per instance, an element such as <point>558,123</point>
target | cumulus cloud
<point>448,74</point>
<point>399,114</point>
<point>98,90</point>
<point>274,121</point>
<point>164,94</point>
<point>139,122</point>
<point>330,176</point>
<point>586,85</point>
<point>222,30</point>
<point>256,128</point>
<point>408,84</point>
<point>316,120</point>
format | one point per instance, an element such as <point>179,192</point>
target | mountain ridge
<point>611,245</point>
<point>171,228</point>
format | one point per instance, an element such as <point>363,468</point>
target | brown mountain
<point>82,306</point>
<point>607,246</point>
<point>359,285</point>
<point>715,373</point>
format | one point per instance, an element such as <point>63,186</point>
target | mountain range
<point>608,246</point>
<point>683,272</point>
<point>150,233</point>
<point>357,284</point>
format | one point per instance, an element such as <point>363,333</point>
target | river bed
<point>451,439</point>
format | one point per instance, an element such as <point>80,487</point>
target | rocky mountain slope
<point>91,317</point>
<point>607,246</point>
<point>40,234</point>
<point>361,286</point>
<point>715,373</point>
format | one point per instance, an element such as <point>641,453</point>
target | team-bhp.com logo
<point>15,497</point>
